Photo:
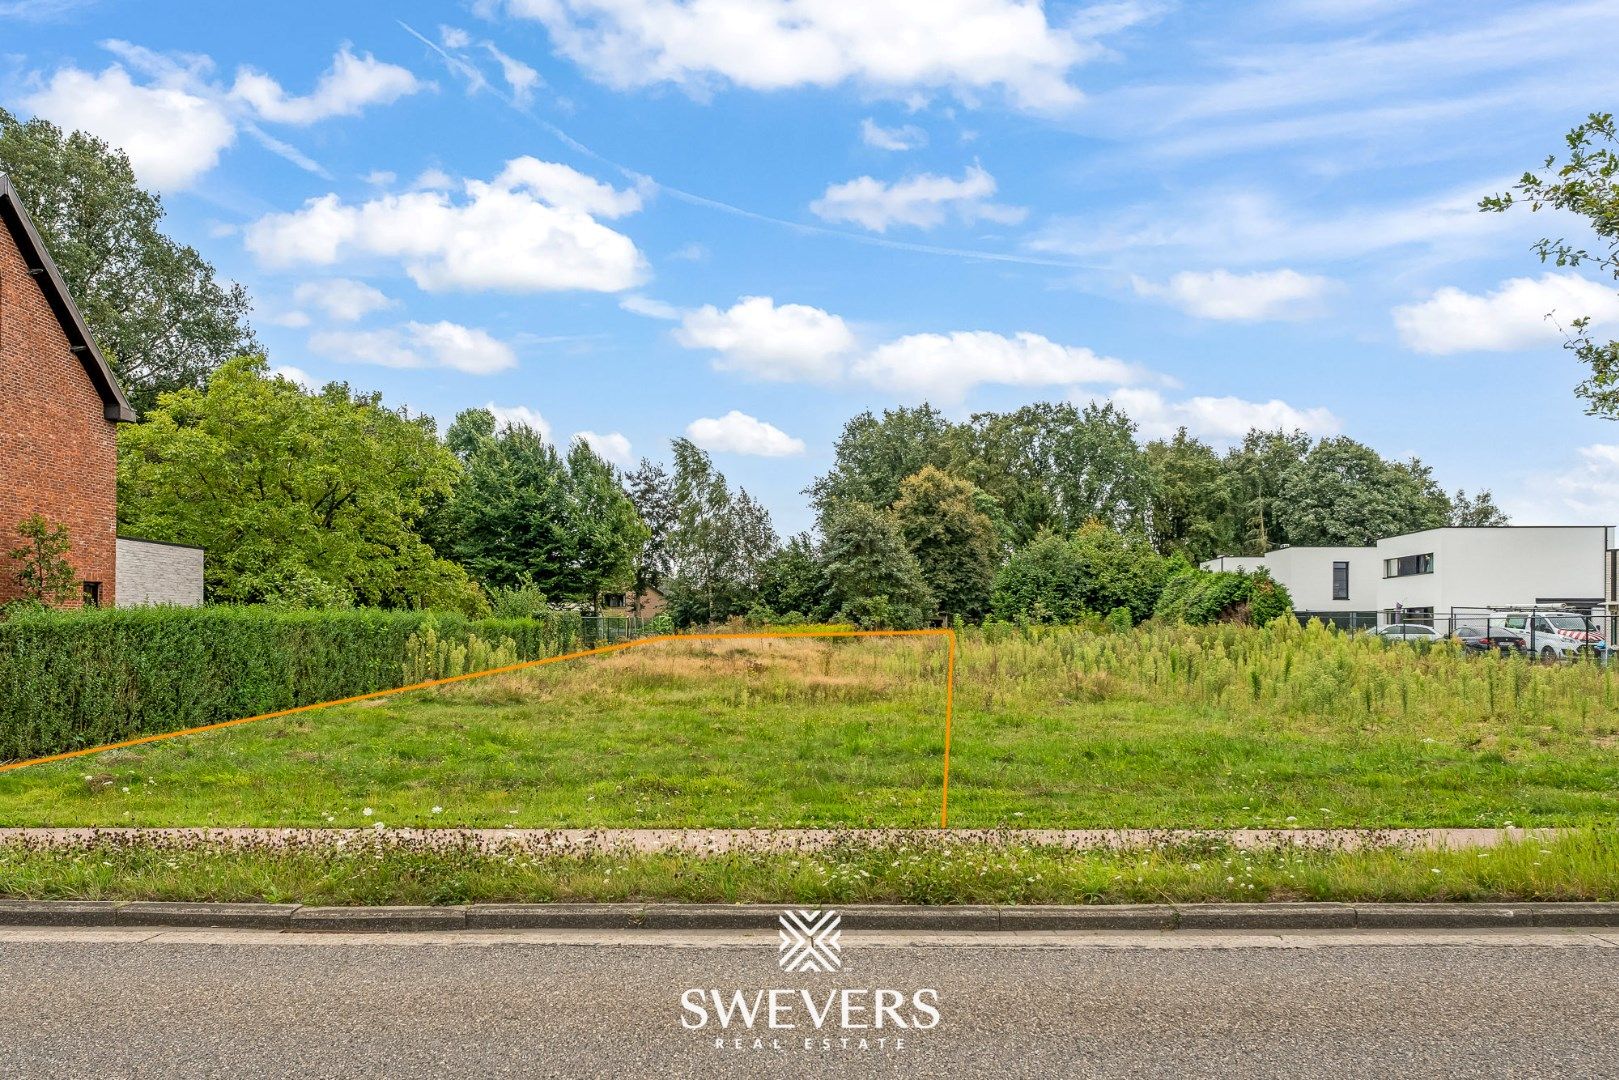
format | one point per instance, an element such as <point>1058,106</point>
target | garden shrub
<point>73,679</point>
<point>1061,579</point>
<point>1208,596</point>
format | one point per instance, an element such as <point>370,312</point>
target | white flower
<point>438,809</point>
<point>368,811</point>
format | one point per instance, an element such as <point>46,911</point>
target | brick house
<point>59,409</point>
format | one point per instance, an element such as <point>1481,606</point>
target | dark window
<point>92,594</point>
<point>1340,581</point>
<point>1406,565</point>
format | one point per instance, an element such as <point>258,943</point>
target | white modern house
<point>1416,576</point>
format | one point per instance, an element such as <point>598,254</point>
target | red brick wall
<point>57,451</point>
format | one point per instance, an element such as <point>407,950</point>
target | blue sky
<point>746,220</point>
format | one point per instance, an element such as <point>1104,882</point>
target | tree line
<point>1049,512</point>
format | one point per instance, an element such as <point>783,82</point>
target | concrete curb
<point>856,917</point>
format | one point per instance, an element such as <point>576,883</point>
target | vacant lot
<point>1174,727</point>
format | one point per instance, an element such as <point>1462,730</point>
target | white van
<point>1554,635</point>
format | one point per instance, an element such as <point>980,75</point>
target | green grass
<point>1577,866</point>
<point>1170,727</point>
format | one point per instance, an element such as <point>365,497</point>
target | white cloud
<point>789,343</point>
<point>176,124</point>
<point>342,299</point>
<point>1523,313</point>
<point>460,347</point>
<point>418,345</point>
<point>293,375</point>
<point>522,79</point>
<point>946,367</point>
<point>612,446</point>
<point>1220,294</point>
<point>172,135</point>
<point>922,201</point>
<point>453,37</point>
<point>531,229</point>
<point>1221,419</point>
<point>346,89</point>
<point>637,304</point>
<point>896,47</point>
<point>293,320</point>
<point>509,416</point>
<point>906,137</point>
<point>1584,493</point>
<point>738,433</point>
<point>1249,227</point>
<point>433,179</point>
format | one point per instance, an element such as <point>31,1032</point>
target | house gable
<point>39,265</point>
<point>59,410</point>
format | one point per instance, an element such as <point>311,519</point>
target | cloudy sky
<point>746,220</point>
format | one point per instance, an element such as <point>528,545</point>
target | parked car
<point>1556,635</point>
<point>1490,639</point>
<point>1409,632</point>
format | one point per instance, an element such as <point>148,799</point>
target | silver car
<point>1408,632</point>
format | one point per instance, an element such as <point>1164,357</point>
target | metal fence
<point>607,629</point>
<point>1545,631</point>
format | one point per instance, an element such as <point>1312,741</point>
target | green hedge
<point>1203,596</point>
<point>76,679</point>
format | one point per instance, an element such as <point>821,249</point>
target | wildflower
<point>368,811</point>
<point>438,809</point>
<point>1435,870</point>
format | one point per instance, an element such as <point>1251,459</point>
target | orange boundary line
<point>949,692</point>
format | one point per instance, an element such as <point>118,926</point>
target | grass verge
<point>1582,865</point>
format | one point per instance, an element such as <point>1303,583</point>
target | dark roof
<point>43,267</point>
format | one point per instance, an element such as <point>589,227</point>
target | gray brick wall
<point>152,573</point>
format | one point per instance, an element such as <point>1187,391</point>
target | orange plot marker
<point>949,691</point>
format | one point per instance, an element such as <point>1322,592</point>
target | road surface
<point>239,1003</point>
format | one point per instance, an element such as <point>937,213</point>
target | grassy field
<point>1213,727</point>
<point>1582,865</point>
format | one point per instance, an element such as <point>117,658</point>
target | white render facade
<point>1438,570</point>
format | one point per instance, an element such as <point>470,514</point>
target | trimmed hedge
<point>72,679</point>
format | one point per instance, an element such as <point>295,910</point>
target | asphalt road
<point>135,1003</point>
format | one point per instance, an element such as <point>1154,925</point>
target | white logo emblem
<point>809,941</point>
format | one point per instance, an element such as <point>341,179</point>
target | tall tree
<point>792,579</point>
<point>1189,509</point>
<point>526,514</point>
<point>156,309</point>
<point>1475,510</point>
<point>956,543</point>
<point>608,532</point>
<point>1257,469</point>
<point>874,456</point>
<point>1056,466</point>
<point>297,497</point>
<point>651,489</point>
<point>1344,493</point>
<point>720,540</point>
<point>871,576</point>
<point>1586,184</point>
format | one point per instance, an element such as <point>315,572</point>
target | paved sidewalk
<point>720,841</point>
